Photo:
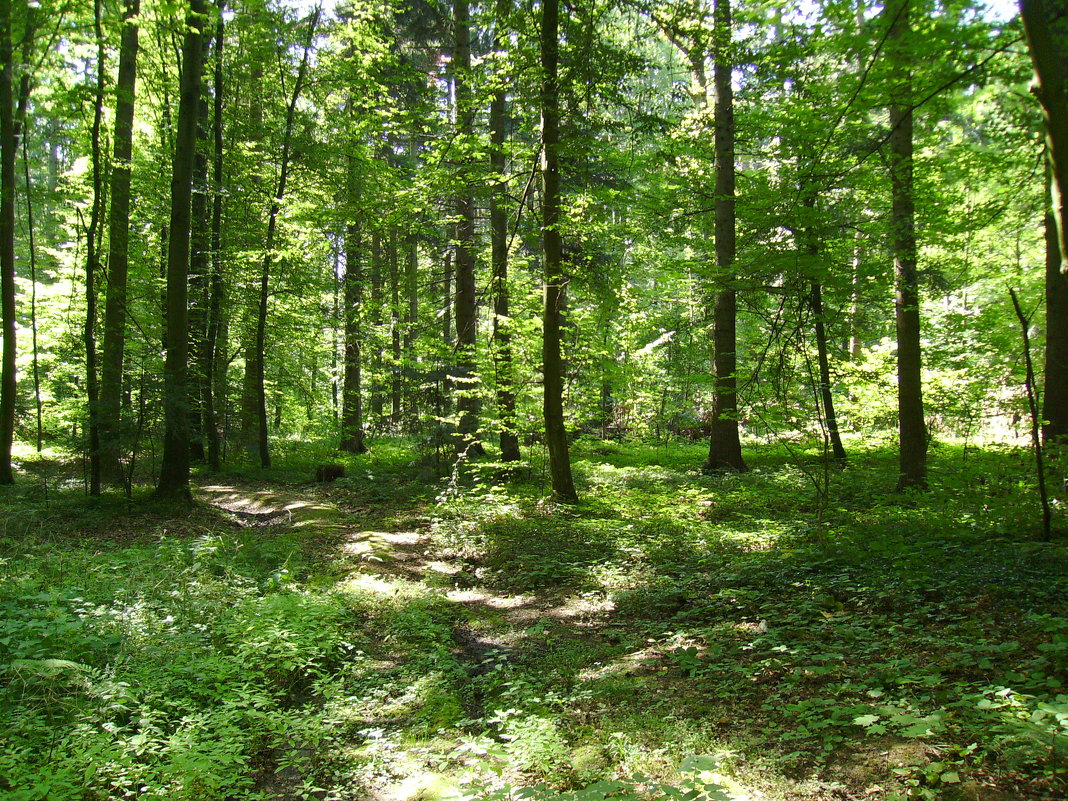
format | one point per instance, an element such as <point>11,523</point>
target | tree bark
<point>352,438</point>
<point>912,431</point>
<point>174,473</point>
<point>216,287</point>
<point>826,396</point>
<point>724,448</point>
<point>1055,394</point>
<point>92,261</point>
<point>199,280</point>
<point>394,331</point>
<point>8,384</point>
<point>563,483</point>
<point>113,352</point>
<point>465,381</point>
<point>1049,86</point>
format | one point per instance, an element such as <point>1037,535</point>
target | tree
<point>499,254</point>
<point>1051,88</point>
<point>912,431</point>
<point>174,473</point>
<point>725,448</point>
<point>465,381</point>
<point>111,360</point>
<point>8,385</point>
<point>555,290</point>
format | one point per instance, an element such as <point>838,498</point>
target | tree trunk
<point>92,259</point>
<point>377,403</point>
<point>1049,86</point>
<point>912,432</point>
<point>724,448</point>
<point>1055,395</point>
<point>555,283</point>
<point>199,281</point>
<point>112,356</point>
<point>352,438</point>
<point>826,397</point>
<point>216,287</point>
<point>465,380</point>
<point>502,350</point>
<point>394,331</point>
<point>8,385</point>
<point>268,249</point>
<point>174,473</point>
<point>411,359</point>
<point>33,293</point>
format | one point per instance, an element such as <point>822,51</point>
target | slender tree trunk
<point>8,385</point>
<point>268,250</point>
<point>411,358</point>
<point>395,330</point>
<point>174,473</point>
<point>555,283</point>
<point>826,396</point>
<point>92,265</point>
<point>352,436</point>
<point>33,292</point>
<point>216,287</point>
<point>1055,394</point>
<point>1051,88</point>
<point>725,448</point>
<point>199,281</point>
<point>377,401</point>
<point>502,350</point>
<point>335,343</point>
<point>912,431</point>
<point>112,356</point>
<point>856,306</point>
<point>465,380</point>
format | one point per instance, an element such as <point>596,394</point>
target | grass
<point>725,634</point>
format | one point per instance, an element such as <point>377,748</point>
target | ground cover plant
<point>465,636</point>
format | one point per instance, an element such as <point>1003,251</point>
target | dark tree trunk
<point>724,448</point>
<point>268,250</point>
<point>502,350</point>
<point>1049,86</point>
<point>7,243</point>
<point>352,439</point>
<point>826,396</point>
<point>912,431</point>
<point>92,262</point>
<point>555,283</point>
<point>1055,395</point>
<point>111,361</point>
<point>33,294</point>
<point>465,380</point>
<point>174,473</point>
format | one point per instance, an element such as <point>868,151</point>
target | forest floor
<point>403,637</point>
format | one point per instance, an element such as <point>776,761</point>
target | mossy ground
<point>401,635</point>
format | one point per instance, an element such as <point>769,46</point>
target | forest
<point>562,401</point>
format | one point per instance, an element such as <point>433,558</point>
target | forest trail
<point>494,631</point>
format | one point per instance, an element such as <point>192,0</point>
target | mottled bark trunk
<point>394,331</point>
<point>174,473</point>
<point>563,483</point>
<point>216,288</point>
<point>725,448</point>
